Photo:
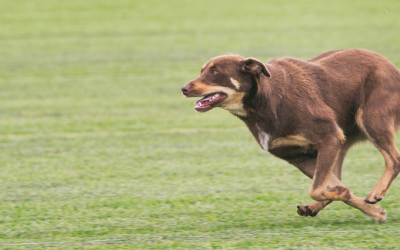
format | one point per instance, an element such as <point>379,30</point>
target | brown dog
<point>310,113</point>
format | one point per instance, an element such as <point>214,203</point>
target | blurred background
<point>99,148</point>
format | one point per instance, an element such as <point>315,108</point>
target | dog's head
<point>224,81</point>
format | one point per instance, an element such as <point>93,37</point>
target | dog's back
<point>342,79</point>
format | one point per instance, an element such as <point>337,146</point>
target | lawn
<point>100,150</point>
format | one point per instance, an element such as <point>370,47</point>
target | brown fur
<point>310,113</point>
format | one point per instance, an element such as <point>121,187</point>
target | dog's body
<point>310,113</point>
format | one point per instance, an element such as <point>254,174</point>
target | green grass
<point>99,149</point>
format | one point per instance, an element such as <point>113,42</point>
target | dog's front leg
<point>307,166</point>
<point>322,188</point>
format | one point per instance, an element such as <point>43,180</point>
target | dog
<point>309,113</point>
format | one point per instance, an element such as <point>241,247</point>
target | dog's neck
<point>261,107</point>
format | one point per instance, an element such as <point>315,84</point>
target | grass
<point>99,149</point>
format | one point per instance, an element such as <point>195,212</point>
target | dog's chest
<point>264,139</point>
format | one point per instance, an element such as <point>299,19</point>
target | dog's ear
<point>254,67</point>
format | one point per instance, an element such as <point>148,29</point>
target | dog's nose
<point>185,89</point>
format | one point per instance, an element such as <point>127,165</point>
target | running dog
<point>309,113</point>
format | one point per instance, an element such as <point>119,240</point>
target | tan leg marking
<point>374,211</point>
<point>291,140</point>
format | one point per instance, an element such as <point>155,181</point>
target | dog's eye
<point>214,72</point>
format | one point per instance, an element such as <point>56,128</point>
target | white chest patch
<point>263,138</point>
<point>235,83</point>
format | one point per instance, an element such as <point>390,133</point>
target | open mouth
<point>209,102</point>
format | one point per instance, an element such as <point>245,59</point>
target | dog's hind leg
<point>379,126</point>
<point>374,211</point>
<point>326,186</point>
<point>308,168</point>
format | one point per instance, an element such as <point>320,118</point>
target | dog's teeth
<point>214,96</point>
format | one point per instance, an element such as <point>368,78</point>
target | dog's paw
<point>382,217</point>
<point>373,200</point>
<point>373,197</point>
<point>305,210</point>
<point>379,214</point>
<point>340,193</point>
